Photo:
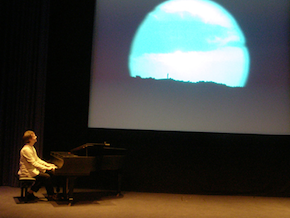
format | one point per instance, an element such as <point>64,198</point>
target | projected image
<point>190,41</point>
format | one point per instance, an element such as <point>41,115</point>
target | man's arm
<point>28,155</point>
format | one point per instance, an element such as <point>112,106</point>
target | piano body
<point>84,160</point>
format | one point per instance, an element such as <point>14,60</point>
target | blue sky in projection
<point>190,41</point>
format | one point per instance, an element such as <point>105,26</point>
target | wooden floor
<point>93,203</point>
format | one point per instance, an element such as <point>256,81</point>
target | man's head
<point>29,136</point>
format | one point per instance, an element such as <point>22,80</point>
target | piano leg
<point>67,183</point>
<point>119,183</point>
<point>70,182</point>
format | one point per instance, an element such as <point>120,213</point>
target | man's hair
<point>27,136</point>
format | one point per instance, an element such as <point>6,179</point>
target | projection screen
<point>191,65</point>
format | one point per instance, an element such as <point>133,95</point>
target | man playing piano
<point>32,166</point>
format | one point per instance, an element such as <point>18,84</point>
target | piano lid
<point>97,149</point>
<point>85,146</point>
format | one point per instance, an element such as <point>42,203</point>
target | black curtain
<point>22,80</point>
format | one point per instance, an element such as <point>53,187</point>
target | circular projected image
<point>190,41</point>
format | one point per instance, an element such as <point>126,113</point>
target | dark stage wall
<point>179,162</point>
<point>25,27</point>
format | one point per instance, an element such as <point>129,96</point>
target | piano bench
<point>25,183</point>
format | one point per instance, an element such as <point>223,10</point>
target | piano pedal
<point>70,201</point>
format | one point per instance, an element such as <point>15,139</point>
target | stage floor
<point>94,203</point>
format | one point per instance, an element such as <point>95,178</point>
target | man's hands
<point>52,167</point>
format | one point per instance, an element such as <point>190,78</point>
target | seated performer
<point>32,166</point>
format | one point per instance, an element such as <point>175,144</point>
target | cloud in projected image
<point>190,41</point>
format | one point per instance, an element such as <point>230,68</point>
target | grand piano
<point>84,160</point>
